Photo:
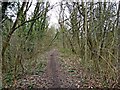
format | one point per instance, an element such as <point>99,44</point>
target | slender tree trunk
<point>6,42</point>
<point>86,51</point>
<point>118,39</point>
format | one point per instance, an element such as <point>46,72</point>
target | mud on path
<point>53,69</point>
<point>55,74</point>
<point>58,75</point>
<point>53,77</point>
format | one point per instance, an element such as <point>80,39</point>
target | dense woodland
<point>87,39</point>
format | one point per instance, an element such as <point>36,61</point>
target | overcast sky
<point>54,13</point>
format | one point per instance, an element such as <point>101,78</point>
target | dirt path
<point>57,74</point>
<point>53,77</point>
<point>52,69</point>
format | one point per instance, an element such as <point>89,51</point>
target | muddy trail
<point>55,74</point>
<point>53,77</point>
<point>53,70</point>
<point>58,73</point>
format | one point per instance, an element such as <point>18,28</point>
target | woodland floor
<point>54,75</point>
<point>57,75</point>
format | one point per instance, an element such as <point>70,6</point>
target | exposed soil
<point>53,70</point>
<point>60,73</point>
<point>56,74</point>
<point>53,77</point>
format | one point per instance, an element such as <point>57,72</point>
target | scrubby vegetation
<point>87,39</point>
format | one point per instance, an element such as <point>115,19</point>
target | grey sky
<point>54,13</point>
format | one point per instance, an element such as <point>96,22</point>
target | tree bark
<point>5,43</point>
